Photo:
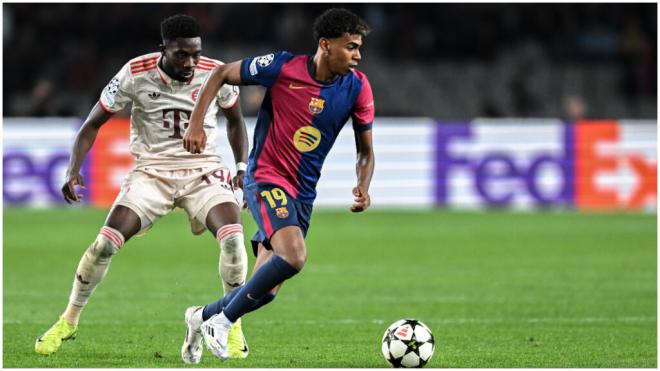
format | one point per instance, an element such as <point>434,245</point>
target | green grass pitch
<point>497,289</point>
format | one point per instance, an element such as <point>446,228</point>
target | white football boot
<point>191,351</point>
<point>215,331</point>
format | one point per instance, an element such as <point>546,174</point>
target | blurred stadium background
<point>455,85</point>
<point>479,108</point>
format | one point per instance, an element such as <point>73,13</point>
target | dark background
<point>450,61</point>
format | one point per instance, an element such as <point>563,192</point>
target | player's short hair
<point>335,22</point>
<point>180,25</point>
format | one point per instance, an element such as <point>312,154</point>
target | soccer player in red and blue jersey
<point>307,102</point>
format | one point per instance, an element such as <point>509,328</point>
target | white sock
<point>232,264</point>
<point>94,265</point>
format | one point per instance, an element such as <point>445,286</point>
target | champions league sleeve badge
<point>111,90</point>
<point>263,61</point>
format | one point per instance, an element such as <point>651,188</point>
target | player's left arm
<point>364,168</point>
<point>238,140</point>
<point>363,118</point>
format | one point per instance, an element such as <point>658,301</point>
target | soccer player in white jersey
<point>163,88</point>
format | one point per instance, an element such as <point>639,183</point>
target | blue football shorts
<point>272,208</point>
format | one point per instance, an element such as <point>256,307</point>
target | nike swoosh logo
<point>295,87</point>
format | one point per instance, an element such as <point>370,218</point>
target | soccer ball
<point>408,343</point>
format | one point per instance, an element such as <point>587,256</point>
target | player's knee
<point>231,239</point>
<point>296,256</point>
<point>107,243</point>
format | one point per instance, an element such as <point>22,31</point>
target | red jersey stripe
<point>142,61</point>
<point>144,65</point>
<point>138,70</point>
<point>266,220</point>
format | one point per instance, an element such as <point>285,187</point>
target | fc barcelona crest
<point>281,212</point>
<point>316,105</point>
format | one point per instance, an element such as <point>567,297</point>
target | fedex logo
<point>588,165</point>
<point>33,171</point>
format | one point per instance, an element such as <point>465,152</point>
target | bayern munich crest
<point>316,105</point>
<point>195,94</point>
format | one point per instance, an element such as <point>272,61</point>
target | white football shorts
<point>153,193</point>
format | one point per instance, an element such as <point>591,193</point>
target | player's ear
<point>162,49</point>
<point>324,44</point>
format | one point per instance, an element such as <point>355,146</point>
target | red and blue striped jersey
<point>300,119</point>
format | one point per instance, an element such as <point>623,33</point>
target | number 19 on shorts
<point>273,195</point>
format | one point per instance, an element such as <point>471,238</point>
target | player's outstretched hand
<point>194,141</point>
<point>69,189</point>
<point>362,200</point>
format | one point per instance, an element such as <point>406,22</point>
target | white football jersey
<point>161,109</point>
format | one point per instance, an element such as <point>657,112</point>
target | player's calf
<point>92,268</point>
<point>233,258</point>
<point>94,265</point>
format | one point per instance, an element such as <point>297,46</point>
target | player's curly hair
<point>335,22</point>
<point>180,25</point>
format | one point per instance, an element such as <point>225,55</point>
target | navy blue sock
<point>217,307</point>
<point>272,273</point>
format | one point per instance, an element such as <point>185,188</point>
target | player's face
<point>181,57</point>
<point>344,53</point>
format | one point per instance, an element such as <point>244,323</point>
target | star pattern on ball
<point>408,343</point>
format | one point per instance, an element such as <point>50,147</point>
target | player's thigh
<point>142,194</point>
<point>209,200</point>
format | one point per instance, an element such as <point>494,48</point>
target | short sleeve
<point>117,93</point>
<point>227,96</point>
<point>263,70</point>
<point>364,110</point>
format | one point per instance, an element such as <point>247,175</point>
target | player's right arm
<point>114,98</point>
<point>194,141</point>
<point>263,70</point>
<point>83,143</point>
